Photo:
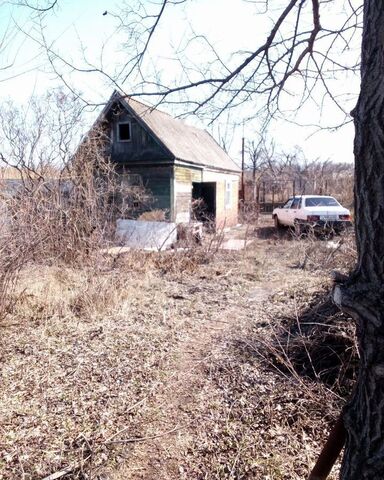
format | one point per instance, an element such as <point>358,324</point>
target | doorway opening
<point>204,202</point>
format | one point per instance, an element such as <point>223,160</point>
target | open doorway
<point>204,202</point>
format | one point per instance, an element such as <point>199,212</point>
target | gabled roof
<point>185,142</point>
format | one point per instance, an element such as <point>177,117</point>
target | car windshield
<point>321,202</point>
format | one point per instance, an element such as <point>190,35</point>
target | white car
<point>317,212</point>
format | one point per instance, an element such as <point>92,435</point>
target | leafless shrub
<point>12,260</point>
<point>62,206</point>
<point>154,216</point>
<point>249,212</point>
<point>181,262</point>
<point>70,217</point>
<point>325,252</point>
<point>316,342</point>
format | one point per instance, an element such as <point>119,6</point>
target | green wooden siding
<point>157,180</point>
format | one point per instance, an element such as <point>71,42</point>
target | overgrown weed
<point>325,252</point>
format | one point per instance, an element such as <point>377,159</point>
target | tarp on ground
<point>146,235</point>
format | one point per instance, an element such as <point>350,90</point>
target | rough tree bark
<point>363,294</point>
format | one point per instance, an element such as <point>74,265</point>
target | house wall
<point>142,156</point>
<point>226,211</point>
<point>142,147</point>
<point>183,178</point>
<point>157,180</point>
<point>170,185</point>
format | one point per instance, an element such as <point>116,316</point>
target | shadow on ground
<point>271,233</point>
<point>315,341</point>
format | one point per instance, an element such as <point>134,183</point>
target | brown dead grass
<point>77,361</point>
<point>156,365</point>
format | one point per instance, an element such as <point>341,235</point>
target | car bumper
<point>328,226</point>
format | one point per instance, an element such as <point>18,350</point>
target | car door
<point>293,210</point>
<point>283,214</point>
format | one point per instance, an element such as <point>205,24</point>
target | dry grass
<point>154,216</point>
<point>325,254</point>
<point>78,365</point>
<point>263,418</point>
<point>83,353</point>
<point>159,365</point>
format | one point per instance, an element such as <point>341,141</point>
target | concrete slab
<point>146,235</point>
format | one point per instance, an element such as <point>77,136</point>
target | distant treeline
<point>272,178</point>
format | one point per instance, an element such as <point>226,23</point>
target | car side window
<point>296,203</point>
<point>288,204</point>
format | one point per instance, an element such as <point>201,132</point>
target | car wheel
<point>299,228</point>
<point>277,223</point>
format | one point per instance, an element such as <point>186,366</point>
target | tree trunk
<point>254,187</point>
<point>363,295</point>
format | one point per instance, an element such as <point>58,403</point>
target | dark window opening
<point>124,132</point>
<point>296,203</point>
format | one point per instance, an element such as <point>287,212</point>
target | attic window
<point>124,131</point>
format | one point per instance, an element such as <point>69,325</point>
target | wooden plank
<point>142,147</point>
<point>187,174</point>
<point>183,175</point>
<point>196,175</point>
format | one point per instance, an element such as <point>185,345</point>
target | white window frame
<point>125,122</point>
<point>228,194</point>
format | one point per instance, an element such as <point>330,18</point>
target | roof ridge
<point>184,141</point>
<point>127,97</point>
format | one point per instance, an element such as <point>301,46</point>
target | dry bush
<point>325,253</point>
<point>181,262</point>
<point>14,255</point>
<point>62,206</point>
<point>317,342</point>
<point>70,217</point>
<point>249,212</point>
<point>12,260</point>
<point>154,216</point>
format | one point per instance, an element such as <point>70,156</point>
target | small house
<point>179,164</point>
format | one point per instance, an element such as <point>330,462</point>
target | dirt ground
<point>157,366</point>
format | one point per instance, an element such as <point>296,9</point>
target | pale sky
<point>78,29</point>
